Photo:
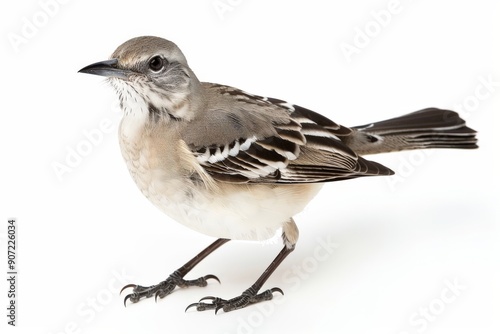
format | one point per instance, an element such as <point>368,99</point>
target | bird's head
<point>151,75</point>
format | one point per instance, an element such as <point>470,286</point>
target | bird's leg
<point>175,279</point>
<point>251,295</point>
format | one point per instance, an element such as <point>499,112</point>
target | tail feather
<point>427,128</point>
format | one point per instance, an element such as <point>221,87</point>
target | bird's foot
<point>163,288</point>
<point>248,297</point>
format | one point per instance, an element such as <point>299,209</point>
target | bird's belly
<point>234,211</point>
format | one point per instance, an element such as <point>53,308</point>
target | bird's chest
<point>159,174</point>
<point>151,161</point>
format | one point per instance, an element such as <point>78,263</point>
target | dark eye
<point>156,63</point>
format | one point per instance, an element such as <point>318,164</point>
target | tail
<point>427,128</point>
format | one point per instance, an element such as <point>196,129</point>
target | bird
<point>238,166</point>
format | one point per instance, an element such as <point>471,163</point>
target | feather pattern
<point>293,145</point>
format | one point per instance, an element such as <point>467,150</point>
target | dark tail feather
<point>427,128</point>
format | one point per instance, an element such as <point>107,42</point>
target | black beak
<point>107,68</point>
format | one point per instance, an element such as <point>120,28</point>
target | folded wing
<point>291,144</point>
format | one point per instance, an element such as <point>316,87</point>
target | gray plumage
<point>234,165</point>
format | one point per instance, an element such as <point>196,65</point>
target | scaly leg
<point>175,279</point>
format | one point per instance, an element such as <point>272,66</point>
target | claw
<point>277,290</point>
<point>127,297</point>
<point>213,277</point>
<point>156,296</point>
<point>208,298</point>
<point>217,308</point>
<point>128,286</point>
<point>189,306</point>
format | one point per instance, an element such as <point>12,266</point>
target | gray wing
<point>264,140</point>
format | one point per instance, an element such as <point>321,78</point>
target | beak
<point>107,68</point>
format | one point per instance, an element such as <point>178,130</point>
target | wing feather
<point>299,146</point>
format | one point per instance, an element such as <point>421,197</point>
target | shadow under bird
<point>234,165</point>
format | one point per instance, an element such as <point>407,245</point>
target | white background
<point>398,241</point>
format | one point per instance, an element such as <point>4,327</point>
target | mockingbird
<point>234,165</point>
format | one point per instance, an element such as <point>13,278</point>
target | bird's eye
<point>156,63</point>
